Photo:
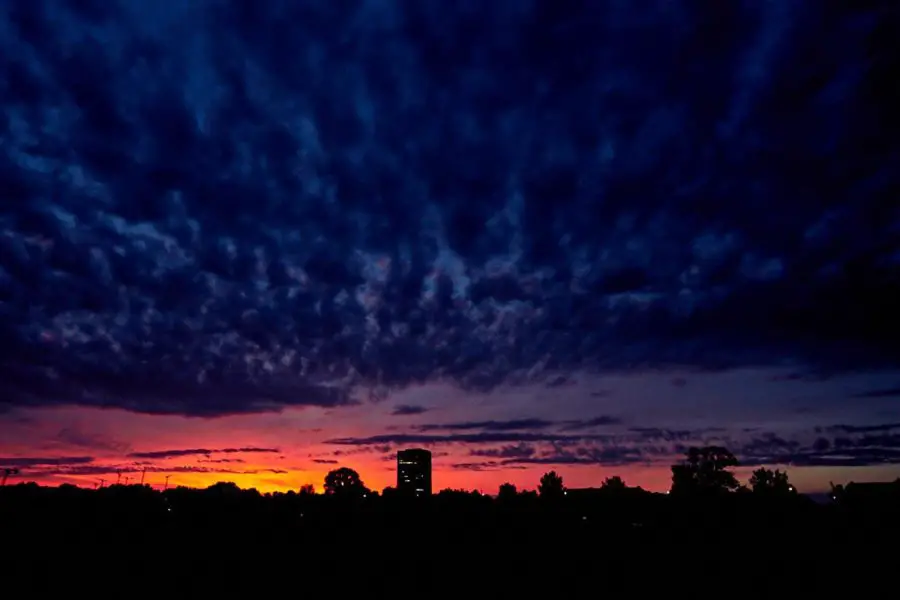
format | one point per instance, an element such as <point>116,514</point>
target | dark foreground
<point>135,541</point>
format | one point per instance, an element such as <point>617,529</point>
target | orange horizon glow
<point>294,450</point>
<point>653,479</point>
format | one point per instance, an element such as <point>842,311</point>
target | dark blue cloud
<point>217,207</point>
<point>837,452</point>
<point>511,425</point>
<point>528,424</point>
<point>851,446</point>
<point>601,421</point>
<point>481,437</point>
<point>157,454</point>
<point>75,469</point>
<point>513,438</point>
<point>73,436</point>
<point>881,427</point>
<point>44,461</point>
<point>883,393</point>
<point>520,450</point>
<point>611,456</point>
<point>402,410</point>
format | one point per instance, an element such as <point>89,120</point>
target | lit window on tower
<point>414,471</point>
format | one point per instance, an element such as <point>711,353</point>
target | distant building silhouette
<point>589,493</point>
<point>414,471</point>
<point>868,494</point>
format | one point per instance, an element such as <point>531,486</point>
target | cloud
<point>769,445</point>
<point>654,446</point>
<point>601,421</point>
<point>882,393</point>
<point>408,409</point>
<point>610,456</point>
<point>608,453</point>
<point>516,451</point>
<point>511,425</point>
<point>767,448</point>
<point>484,437</point>
<point>73,436</point>
<point>790,377</point>
<point>865,450</point>
<point>864,428</point>
<point>230,208</point>
<point>560,381</point>
<point>50,470</point>
<point>44,461</point>
<point>650,434</point>
<point>484,466</point>
<point>160,454</point>
<point>476,466</point>
<point>509,443</point>
<point>325,461</point>
<point>528,424</point>
<point>372,449</point>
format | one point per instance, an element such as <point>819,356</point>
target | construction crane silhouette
<point>6,473</point>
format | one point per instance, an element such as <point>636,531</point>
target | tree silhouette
<point>837,491</point>
<point>766,481</point>
<point>613,484</point>
<point>307,489</point>
<point>551,485</point>
<point>344,482</point>
<point>507,492</point>
<point>224,488</point>
<point>704,471</point>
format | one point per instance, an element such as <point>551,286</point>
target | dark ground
<point>128,540</point>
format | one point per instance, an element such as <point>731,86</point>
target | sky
<point>254,241</point>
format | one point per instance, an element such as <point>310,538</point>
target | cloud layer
<point>214,208</point>
<point>156,454</point>
<point>493,448</point>
<point>138,462</point>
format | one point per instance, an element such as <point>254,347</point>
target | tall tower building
<point>414,471</point>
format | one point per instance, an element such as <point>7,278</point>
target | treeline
<point>704,477</point>
<point>704,471</point>
<point>223,536</point>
